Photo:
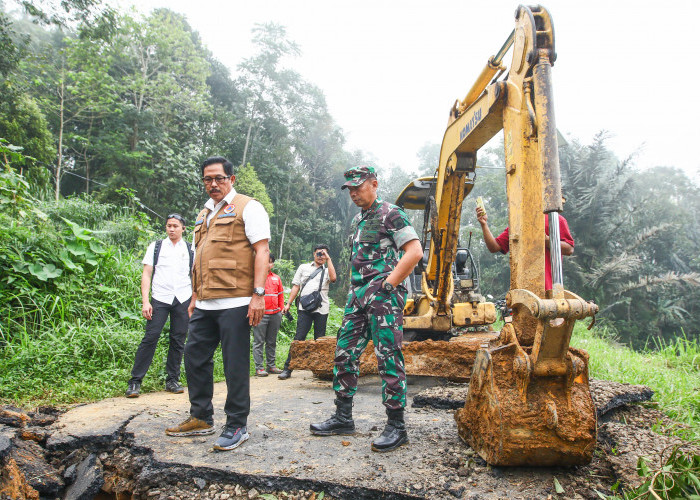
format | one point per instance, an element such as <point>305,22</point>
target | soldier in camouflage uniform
<point>385,249</point>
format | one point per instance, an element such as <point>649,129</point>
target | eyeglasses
<point>177,217</point>
<point>219,179</point>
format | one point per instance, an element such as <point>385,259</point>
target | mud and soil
<point>116,449</point>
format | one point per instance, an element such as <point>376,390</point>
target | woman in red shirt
<point>265,334</point>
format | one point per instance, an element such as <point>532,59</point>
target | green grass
<point>671,371</point>
<point>78,348</point>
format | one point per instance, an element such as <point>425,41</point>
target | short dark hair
<point>228,166</point>
<point>321,246</point>
<point>177,217</point>
<point>272,258</point>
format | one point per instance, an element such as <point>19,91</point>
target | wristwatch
<point>259,291</point>
<point>387,287</point>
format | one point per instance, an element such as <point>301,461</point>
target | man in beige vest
<point>231,237</point>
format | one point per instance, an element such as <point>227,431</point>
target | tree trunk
<point>61,95</point>
<point>284,229</point>
<point>247,143</point>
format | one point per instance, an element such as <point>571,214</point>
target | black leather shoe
<point>394,434</point>
<point>133,390</point>
<point>285,374</point>
<point>340,423</point>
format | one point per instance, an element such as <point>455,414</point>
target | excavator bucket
<point>532,405</point>
<point>544,424</point>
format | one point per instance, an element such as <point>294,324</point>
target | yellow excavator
<point>528,401</point>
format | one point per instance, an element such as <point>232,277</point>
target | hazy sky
<point>391,70</point>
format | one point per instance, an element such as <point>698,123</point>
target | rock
<point>252,493</point>
<point>457,492</point>
<point>42,420</point>
<point>608,395</point>
<point>154,493</point>
<point>40,475</point>
<point>70,473</point>
<point>37,435</point>
<point>13,417</point>
<point>6,435</point>
<point>201,483</point>
<point>88,480</point>
<point>14,485</point>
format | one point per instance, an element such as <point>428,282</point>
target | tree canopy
<point>122,109</point>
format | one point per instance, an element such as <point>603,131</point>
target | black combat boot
<point>340,423</point>
<point>394,434</point>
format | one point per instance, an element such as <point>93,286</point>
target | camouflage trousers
<point>380,319</point>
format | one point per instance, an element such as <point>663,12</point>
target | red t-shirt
<point>274,294</point>
<point>564,235</point>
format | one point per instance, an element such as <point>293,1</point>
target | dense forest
<point>106,115</point>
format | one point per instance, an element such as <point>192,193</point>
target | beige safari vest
<point>224,263</point>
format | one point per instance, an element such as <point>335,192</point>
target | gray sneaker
<point>174,386</point>
<point>133,390</point>
<point>231,437</point>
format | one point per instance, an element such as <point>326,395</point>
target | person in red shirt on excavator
<point>265,334</point>
<point>501,244</point>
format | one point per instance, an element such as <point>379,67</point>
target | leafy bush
<point>676,477</point>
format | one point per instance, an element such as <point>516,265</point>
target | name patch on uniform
<point>231,214</point>
<point>228,209</point>
<point>370,231</point>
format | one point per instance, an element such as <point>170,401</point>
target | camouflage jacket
<point>377,235</point>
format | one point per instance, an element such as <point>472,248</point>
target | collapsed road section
<point>116,449</point>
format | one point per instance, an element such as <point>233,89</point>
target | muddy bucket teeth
<point>512,418</point>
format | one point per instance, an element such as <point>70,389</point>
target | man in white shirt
<point>311,277</point>
<point>231,236</point>
<point>171,292</point>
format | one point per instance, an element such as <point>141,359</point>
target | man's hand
<point>193,304</point>
<point>285,309</point>
<point>481,216</point>
<point>256,309</point>
<point>147,310</point>
<point>566,249</point>
<point>325,255</point>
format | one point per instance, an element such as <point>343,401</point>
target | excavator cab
<point>442,304</point>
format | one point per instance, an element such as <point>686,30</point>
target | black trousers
<point>207,329</point>
<point>304,320</point>
<point>154,327</point>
